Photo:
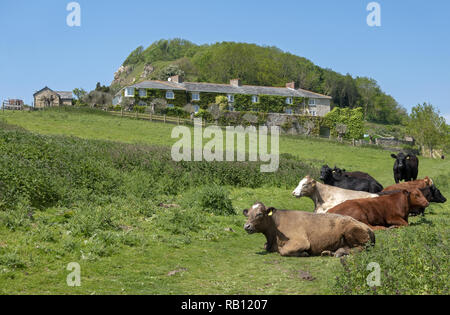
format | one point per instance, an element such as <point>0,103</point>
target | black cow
<point>375,185</point>
<point>338,178</point>
<point>406,167</point>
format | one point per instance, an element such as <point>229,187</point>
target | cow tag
<point>270,213</point>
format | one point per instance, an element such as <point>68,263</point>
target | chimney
<point>176,79</point>
<point>235,82</point>
<point>290,85</point>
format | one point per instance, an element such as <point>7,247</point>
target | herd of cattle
<point>349,206</point>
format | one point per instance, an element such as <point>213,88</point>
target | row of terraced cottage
<point>177,93</point>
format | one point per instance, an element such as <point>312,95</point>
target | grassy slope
<point>235,265</point>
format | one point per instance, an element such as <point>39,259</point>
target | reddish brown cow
<point>385,211</point>
<point>421,183</point>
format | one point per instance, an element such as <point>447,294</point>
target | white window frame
<point>127,94</point>
<point>230,98</point>
<point>170,106</point>
<point>289,100</point>
<point>142,103</point>
<point>289,111</point>
<point>167,95</point>
<point>312,102</point>
<point>196,96</point>
<point>313,113</point>
<point>142,93</point>
<point>255,99</point>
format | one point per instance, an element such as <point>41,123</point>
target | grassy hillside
<point>255,65</point>
<point>70,194</point>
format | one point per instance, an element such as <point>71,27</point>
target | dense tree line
<point>257,65</point>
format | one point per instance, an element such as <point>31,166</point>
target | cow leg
<point>344,251</point>
<point>295,249</point>
<point>398,222</point>
<point>378,228</point>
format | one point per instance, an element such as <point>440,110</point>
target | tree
<point>79,93</point>
<point>222,101</point>
<point>428,127</point>
<point>170,71</point>
<point>97,98</point>
<point>102,88</point>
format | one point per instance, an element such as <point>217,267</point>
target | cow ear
<point>245,212</point>
<point>270,211</point>
<point>394,156</point>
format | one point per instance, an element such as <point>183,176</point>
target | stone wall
<point>40,99</point>
<point>393,142</point>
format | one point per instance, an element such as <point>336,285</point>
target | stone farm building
<point>177,93</point>
<point>49,98</point>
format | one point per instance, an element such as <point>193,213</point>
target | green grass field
<point>133,249</point>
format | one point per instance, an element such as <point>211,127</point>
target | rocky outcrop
<point>120,75</point>
<point>148,70</point>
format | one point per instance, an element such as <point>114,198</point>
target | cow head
<point>259,218</point>
<point>436,195</point>
<point>305,187</point>
<point>338,173</point>
<point>416,199</point>
<point>401,160</point>
<point>326,174</point>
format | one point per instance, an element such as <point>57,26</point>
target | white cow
<point>326,197</point>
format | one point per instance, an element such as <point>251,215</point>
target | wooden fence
<point>185,121</point>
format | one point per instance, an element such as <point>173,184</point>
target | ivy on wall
<point>352,118</point>
<point>206,98</point>
<point>180,99</point>
<point>266,103</point>
<point>242,102</point>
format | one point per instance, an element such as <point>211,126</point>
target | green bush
<point>352,118</point>
<point>100,181</point>
<point>176,112</point>
<point>212,199</point>
<point>413,261</point>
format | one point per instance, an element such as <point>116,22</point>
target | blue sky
<point>409,55</point>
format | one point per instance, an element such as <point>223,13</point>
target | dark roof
<point>65,95</point>
<point>228,89</point>
<point>46,88</point>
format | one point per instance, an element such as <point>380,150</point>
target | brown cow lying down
<point>301,234</point>
<point>425,185</point>
<point>384,211</point>
<point>326,197</point>
<point>421,183</point>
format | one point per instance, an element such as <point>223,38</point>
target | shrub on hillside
<point>49,171</point>
<point>412,261</point>
<point>212,199</point>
